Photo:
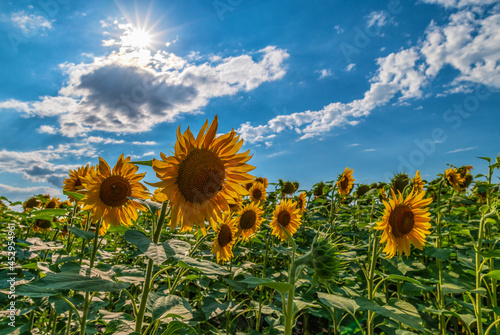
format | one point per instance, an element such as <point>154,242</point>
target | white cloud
<point>378,18</point>
<point>350,67</point>
<point>461,149</point>
<point>338,29</point>
<point>98,139</point>
<point>324,73</point>
<point>30,24</point>
<point>144,143</point>
<point>149,153</point>
<point>459,3</point>
<point>369,150</point>
<point>469,42</point>
<point>132,89</point>
<point>353,145</point>
<point>47,129</point>
<point>22,193</point>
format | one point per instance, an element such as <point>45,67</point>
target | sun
<point>137,38</point>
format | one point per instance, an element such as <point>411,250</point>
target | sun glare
<point>137,39</point>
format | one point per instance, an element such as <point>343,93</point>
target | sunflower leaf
<point>204,266</point>
<point>400,311</point>
<point>88,235</point>
<point>337,301</point>
<point>146,163</point>
<point>75,281</point>
<point>77,196</point>
<point>153,207</point>
<point>280,287</point>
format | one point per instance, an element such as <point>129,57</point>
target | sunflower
<point>301,202</point>
<point>64,231</point>
<point>65,204</point>
<point>399,182</point>
<point>258,192</point>
<point>464,172</point>
<point>318,190</point>
<point>41,225</point>
<point>454,178</point>
<point>288,187</point>
<point>74,182</point>
<point>286,216</point>
<point>108,191</point>
<point>31,203</point>
<point>202,175</point>
<point>249,220</point>
<point>417,182</point>
<point>52,203</point>
<point>404,221</point>
<point>345,181</point>
<point>262,180</point>
<point>225,237</point>
<point>235,204</point>
<point>362,190</point>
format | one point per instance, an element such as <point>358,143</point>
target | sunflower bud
<point>324,258</point>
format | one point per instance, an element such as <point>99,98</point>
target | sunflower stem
<point>86,305</point>
<point>371,275</point>
<point>261,287</point>
<point>288,308</point>
<point>149,270</point>
<point>440,296</point>
<point>478,275</point>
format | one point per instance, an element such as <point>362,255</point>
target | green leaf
<point>128,274</point>
<point>145,163</point>
<point>495,274</point>
<point>87,235</point>
<point>179,328</point>
<point>337,301</point>
<point>77,282</point>
<point>157,252</point>
<point>485,158</point>
<point>404,278</point>
<point>77,196</point>
<point>171,306</point>
<point>16,331</point>
<point>205,267</point>
<point>441,254</point>
<point>35,291</point>
<point>453,289</point>
<point>491,254</point>
<point>400,311</point>
<point>280,287</point>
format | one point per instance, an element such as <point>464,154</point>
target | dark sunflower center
<point>248,220</point>
<point>201,176</point>
<point>344,183</point>
<point>284,218</point>
<point>257,194</point>
<point>115,190</point>
<point>225,235</point>
<point>44,224</point>
<point>32,203</point>
<point>51,204</point>
<point>401,220</point>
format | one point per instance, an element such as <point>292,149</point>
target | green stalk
<point>371,276</point>
<point>289,304</point>
<point>149,271</point>
<point>261,287</point>
<point>478,275</point>
<point>440,296</point>
<point>86,305</point>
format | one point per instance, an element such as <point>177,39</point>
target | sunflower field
<point>210,248</point>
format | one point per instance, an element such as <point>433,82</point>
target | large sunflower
<point>108,191</point>
<point>345,181</point>
<point>404,221</point>
<point>258,192</point>
<point>249,220</point>
<point>225,237</point>
<point>301,202</point>
<point>203,175</point>
<point>286,216</point>
<point>417,182</point>
<point>454,178</point>
<point>74,182</point>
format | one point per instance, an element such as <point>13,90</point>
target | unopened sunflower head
<point>345,182</point>
<point>202,175</point>
<point>399,182</point>
<point>362,190</point>
<point>318,191</point>
<point>326,260</point>
<point>289,187</point>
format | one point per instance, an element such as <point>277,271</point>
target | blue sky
<point>381,87</point>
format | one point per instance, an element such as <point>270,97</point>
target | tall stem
<point>261,287</point>
<point>440,296</point>
<point>86,304</point>
<point>289,317</point>
<point>149,271</point>
<point>371,276</point>
<point>478,275</point>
